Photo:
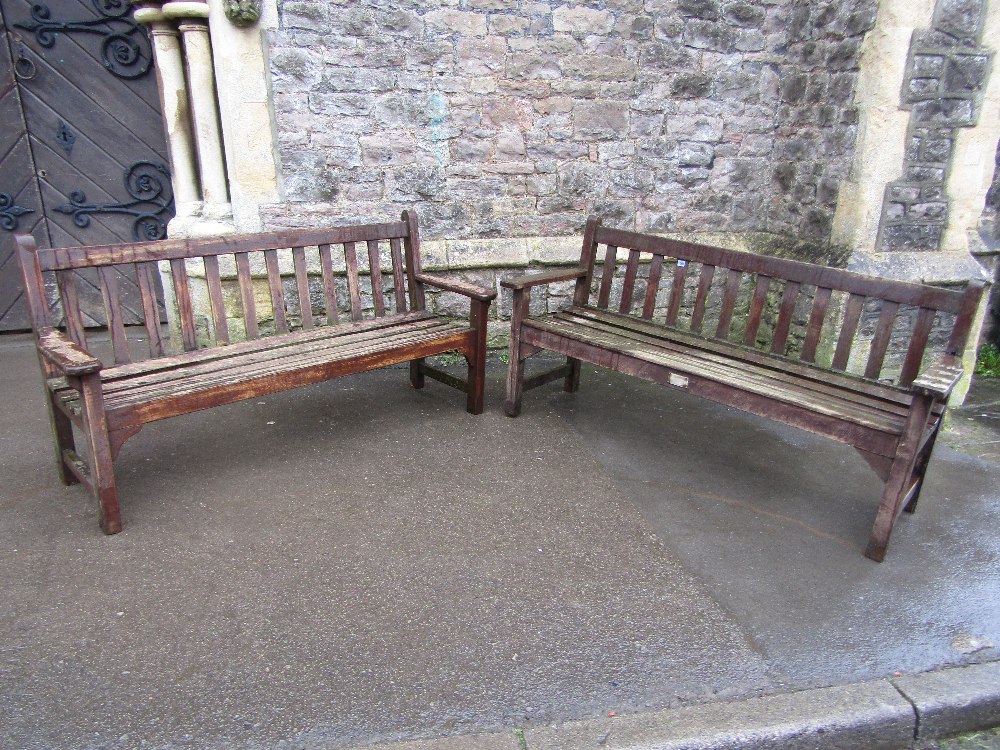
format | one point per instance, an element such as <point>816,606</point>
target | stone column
<point>174,105</point>
<point>193,25</point>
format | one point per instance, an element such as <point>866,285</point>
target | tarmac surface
<point>356,563</point>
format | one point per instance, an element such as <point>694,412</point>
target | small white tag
<point>681,262</point>
<point>679,380</point>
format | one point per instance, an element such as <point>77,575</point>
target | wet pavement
<point>357,562</point>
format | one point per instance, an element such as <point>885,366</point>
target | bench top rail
<point>883,329</point>
<point>263,283</point>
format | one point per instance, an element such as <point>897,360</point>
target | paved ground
<point>357,562</point>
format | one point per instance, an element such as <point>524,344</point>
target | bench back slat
<point>728,304</point>
<point>70,294</point>
<point>652,285</point>
<point>677,292</point>
<point>375,275</point>
<point>302,286</point>
<point>213,278</point>
<point>329,287</point>
<point>842,305</point>
<point>185,310</point>
<point>145,274</point>
<point>784,325</point>
<point>918,344</point>
<point>880,342</point>
<point>277,292</point>
<point>701,299</point>
<point>246,295</point>
<point>756,313</point>
<point>398,283</point>
<point>852,316</point>
<point>607,276</point>
<point>631,271</point>
<point>264,277</point>
<point>111,293</point>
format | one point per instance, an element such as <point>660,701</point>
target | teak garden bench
<point>766,371</point>
<point>111,404</point>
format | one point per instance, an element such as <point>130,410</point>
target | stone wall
<point>513,118</point>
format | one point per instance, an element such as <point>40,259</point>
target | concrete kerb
<point>875,715</point>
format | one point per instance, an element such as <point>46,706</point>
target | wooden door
<point>83,157</point>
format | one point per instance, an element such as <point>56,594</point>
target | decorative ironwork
<point>148,183</point>
<point>125,49</point>
<point>10,211</point>
<point>24,67</point>
<point>65,138</point>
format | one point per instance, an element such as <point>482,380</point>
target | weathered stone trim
<point>946,74</point>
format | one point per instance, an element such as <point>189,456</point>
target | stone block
<point>746,14</point>
<point>553,250</point>
<point>691,85</point>
<point>357,79</point>
<point>598,67</point>
<point>708,35</point>
<point>694,154</point>
<point>508,25</point>
<point>581,20</point>
<point>470,149</point>
<point>704,9</point>
<point>340,105</point>
<point>695,128</point>
<point>966,74</point>
<point>600,120</point>
<point>488,253</point>
<point>533,66</point>
<point>481,56</point>
<point>388,149</point>
<point>456,22</point>
<point>665,56</point>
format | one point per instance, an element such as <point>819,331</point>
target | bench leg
<point>416,376</point>
<point>572,384</point>
<point>921,467</point>
<point>102,472</point>
<point>515,367</point>
<point>479,312</point>
<point>900,478</point>
<point>62,436</point>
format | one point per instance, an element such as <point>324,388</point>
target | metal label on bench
<point>678,380</point>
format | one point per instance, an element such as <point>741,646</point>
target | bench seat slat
<point>212,353</point>
<point>807,371</point>
<point>738,375</point>
<point>631,363</point>
<point>297,374</point>
<point>300,357</point>
<point>297,347</point>
<point>240,369</point>
<point>780,377</point>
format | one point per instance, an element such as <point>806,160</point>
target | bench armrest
<point>474,291</point>
<point>940,378</point>
<point>529,280</point>
<point>66,355</point>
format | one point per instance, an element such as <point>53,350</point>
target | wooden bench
<point>111,404</point>
<point>652,329</point>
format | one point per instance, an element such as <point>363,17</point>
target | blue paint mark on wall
<point>437,109</point>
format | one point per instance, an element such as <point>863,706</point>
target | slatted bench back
<point>364,251</point>
<point>686,274</point>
